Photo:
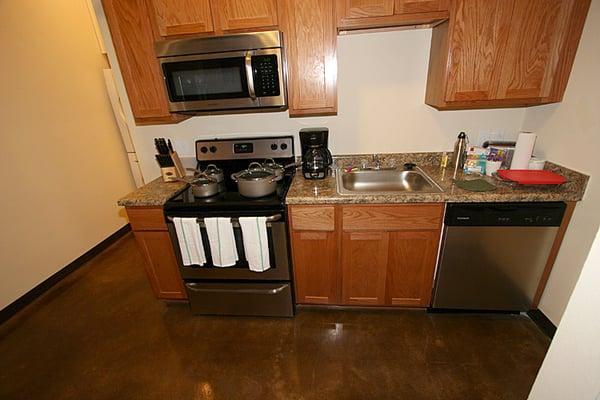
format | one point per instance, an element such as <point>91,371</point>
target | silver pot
<point>272,165</point>
<point>212,171</point>
<point>202,185</point>
<point>256,181</point>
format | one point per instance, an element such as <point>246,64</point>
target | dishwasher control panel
<point>505,214</point>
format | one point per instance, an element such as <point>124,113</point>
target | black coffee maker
<point>316,158</point>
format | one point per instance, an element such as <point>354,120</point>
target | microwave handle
<point>250,75</point>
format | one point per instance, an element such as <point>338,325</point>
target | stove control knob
<point>283,146</point>
<point>204,149</point>
<point>274,146</point>
<point>213,149</point>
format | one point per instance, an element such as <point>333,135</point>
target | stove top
<point>229,202</point>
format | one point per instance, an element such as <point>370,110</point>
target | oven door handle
<point>271,218</point>
<point>250,75</point>
<point>276,290</point>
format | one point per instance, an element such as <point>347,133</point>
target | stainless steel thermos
<point>458,157</point>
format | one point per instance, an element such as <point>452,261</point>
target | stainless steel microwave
<point>221,74</point>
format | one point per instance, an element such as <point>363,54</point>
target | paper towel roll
<point>523,151</point>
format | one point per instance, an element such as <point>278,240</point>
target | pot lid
<point>255,172</point>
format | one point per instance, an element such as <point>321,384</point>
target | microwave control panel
<point>266,75</point>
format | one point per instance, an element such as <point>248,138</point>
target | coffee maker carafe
<point>316,158</point>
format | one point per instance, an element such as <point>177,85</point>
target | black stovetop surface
<point>229,201</point>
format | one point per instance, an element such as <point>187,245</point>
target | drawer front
<point>265,299</point>
<point>313,218</point>
<point>396,217</point>
<point>146,218</point>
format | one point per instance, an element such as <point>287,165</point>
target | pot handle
<point>276,178</point>
<point>211,167</point>
<point>256,164</point>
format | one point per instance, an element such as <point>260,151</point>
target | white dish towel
<point>256,243</point>
<point>222,241</point>
<point>190,241</point>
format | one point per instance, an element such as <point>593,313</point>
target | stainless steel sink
<point>385,181</point>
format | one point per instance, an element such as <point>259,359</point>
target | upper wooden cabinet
<point>419,6</point>
<point>504,53</point>
<point>182,17</point>
<point>231,15</point>
<point>365,14</point>
<point>353,9</point>
<point>310,36</point>
<point>202,17</point>
<point>133,37</point>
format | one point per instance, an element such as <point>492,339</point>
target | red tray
<point>531,177</point>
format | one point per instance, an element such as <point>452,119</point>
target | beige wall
<point>63,164</point>
<point>569,134</point>
<point>571,369</point>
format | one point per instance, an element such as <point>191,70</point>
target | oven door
<point>278,256</point>
<point>224,81</point>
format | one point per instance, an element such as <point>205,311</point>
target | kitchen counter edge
<point>153,194</point>
<point>324,191</point>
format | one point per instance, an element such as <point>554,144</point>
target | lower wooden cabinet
<point>371,255</point>
<point>161,264</point>
<point>410,268</point>
<point>155,245</point>
<point>316,277</point>
<point>314,254</point>
<point>364,260</point>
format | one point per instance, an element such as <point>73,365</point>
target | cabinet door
<point>410,268</point>
<point>133,37</point>
<point>478,37</point>
<point>366,8</point>
<point>315,268</point>
<point>419,6</point>
<point>183,17</point>
<point>364,260</point>
<point>309,31</point>
<point>532,55</point>
<point>245,14</point>
<point>161,264</point>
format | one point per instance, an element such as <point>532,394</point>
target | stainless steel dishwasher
<point>493,254</point>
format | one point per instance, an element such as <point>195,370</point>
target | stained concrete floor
<point>100,334</point>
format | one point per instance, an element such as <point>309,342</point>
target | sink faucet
<point>376,162</point>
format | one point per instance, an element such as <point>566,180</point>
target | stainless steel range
<point>236,289</point>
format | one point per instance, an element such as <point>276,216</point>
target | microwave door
<point>209,84</point>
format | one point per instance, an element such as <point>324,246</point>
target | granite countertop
<point>155,193</point>
<point>324,191</point>
<point>303,191</point>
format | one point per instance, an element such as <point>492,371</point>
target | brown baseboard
<point>7,312</point>
<point>542,322</point>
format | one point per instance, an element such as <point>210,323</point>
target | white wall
<point>381,91</point>
<point>571,369</point>
<point>569,134</point>
<point>62,162</point>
